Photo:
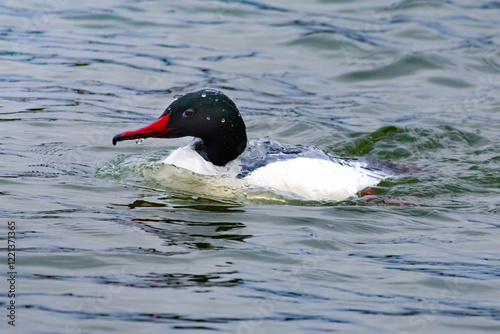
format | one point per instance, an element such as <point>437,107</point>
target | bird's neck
<point>221,150</point>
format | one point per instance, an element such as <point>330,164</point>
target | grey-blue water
<point>102,249</point>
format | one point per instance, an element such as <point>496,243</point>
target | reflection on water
<point>101,248</point>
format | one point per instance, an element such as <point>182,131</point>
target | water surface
<point>412,82</point>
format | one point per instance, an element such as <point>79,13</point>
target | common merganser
<point>221,138</point>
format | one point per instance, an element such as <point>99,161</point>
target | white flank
<point>314,179</point>
<point>302,178</point>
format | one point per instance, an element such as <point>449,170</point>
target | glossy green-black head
<point>206,114</point>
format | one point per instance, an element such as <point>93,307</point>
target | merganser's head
<point>206,114</point>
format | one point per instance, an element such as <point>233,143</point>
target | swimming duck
<point>215,122</point>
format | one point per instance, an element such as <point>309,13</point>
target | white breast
<point>186,157</point>
<point>314,179</point>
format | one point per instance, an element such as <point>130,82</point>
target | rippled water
<point>412,82</point>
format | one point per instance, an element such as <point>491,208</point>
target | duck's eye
<point>188,113</point>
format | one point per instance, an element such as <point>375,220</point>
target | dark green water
<point>101,249</point>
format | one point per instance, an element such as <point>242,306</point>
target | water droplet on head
<point>203,94</point>
<point>208,118</point>
<point>216,100</point>
<point>223,120</point>
<point>177,96</point>
<point>139,141</point>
